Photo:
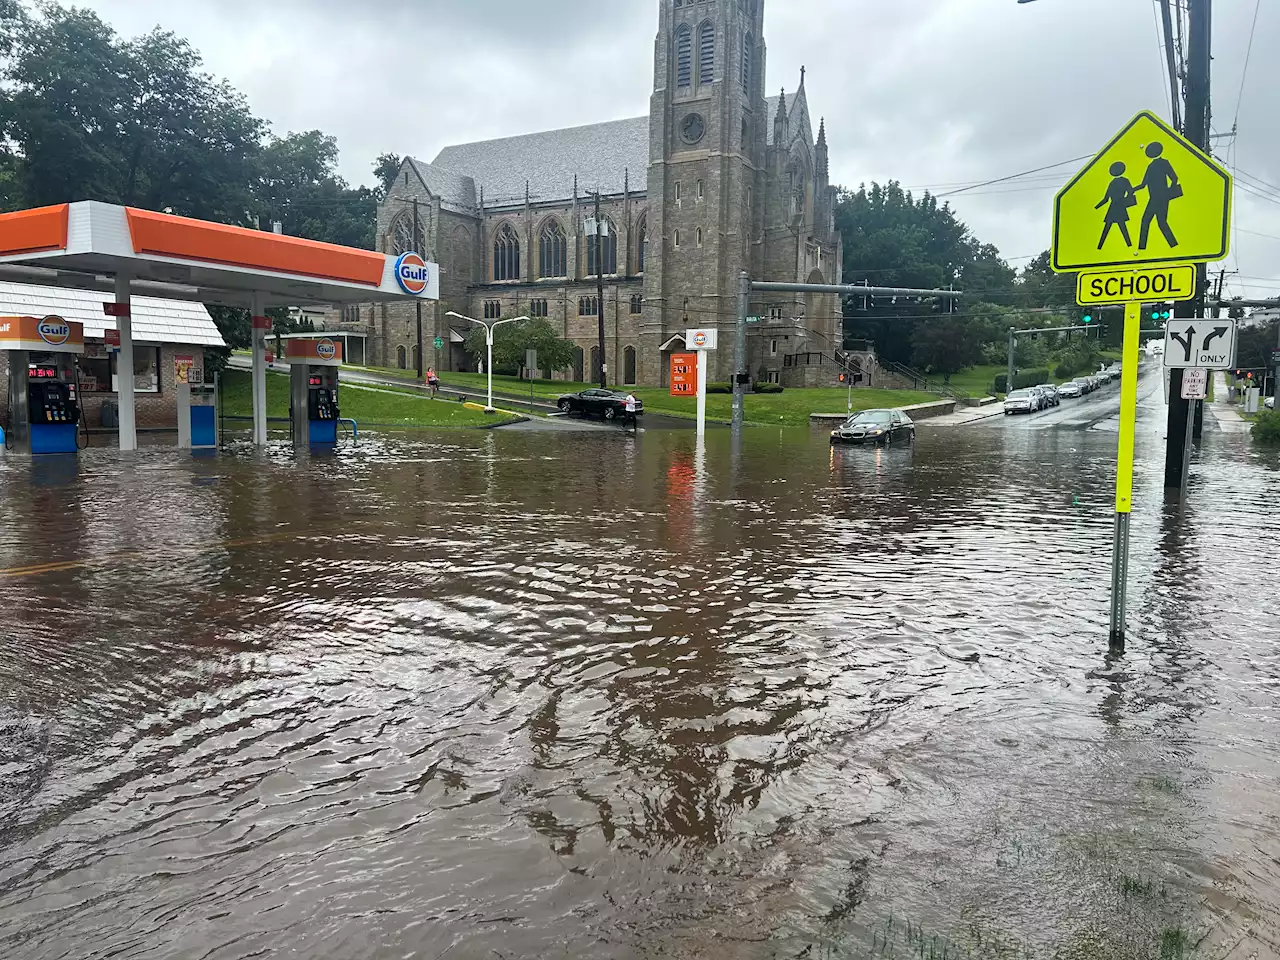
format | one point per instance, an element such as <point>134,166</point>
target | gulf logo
<point>326,350</point>
<point>699,339</point>
<point>54,331</point>
<point>412,274</point>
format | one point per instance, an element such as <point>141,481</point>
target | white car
<point>1070,390</point>
<point>1021,401</point>
<point>1270,403</point>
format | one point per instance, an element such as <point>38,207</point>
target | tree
<point>386,169</point>
<point>511,340</point>
<point>946,346</point>
<point>298,186</point>
<point>1039,286</point>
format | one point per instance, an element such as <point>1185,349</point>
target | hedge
<point>1266,429</point>
<point>1023,378</point>
<point>719,388</point>
<point>768,387</point>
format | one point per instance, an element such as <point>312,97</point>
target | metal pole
<point>604,359</point>
<point>417,305</point>
<point>1013,345</point>
<point>703,359</point>
<point>1199,63</point>
<point>488,340</point>
<point>740,352</point>
<point>124,365</point>
<point>1124,471</point>
<point>1171,58</point>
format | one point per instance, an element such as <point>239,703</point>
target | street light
<point>488,341</point>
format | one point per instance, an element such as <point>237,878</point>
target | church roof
<point>599,154</point>
<point>797,116</point>
<point>455,192</point>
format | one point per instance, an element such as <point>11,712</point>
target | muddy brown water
<point>581,695</point>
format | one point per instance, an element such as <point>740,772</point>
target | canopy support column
<point>261,326</point>
<point>124,364</point>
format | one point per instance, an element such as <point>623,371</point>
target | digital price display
<point>684,374</point>
<point>42,372</point>
<point>316,382</point>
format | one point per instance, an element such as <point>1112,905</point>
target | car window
<point>869,416</point>
<point>1020,394</point>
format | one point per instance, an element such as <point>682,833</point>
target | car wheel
<point>611,413</point>
<point>565,406</point>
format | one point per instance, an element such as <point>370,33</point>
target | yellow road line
<point>33,570</point>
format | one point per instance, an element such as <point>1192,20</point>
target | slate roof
<point>599,154</point>
<point>456,192</point>
<point>154,320</point>
<point>797,116</point>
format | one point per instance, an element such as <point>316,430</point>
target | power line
<point>1248,54</point>
<point>1014,176</point>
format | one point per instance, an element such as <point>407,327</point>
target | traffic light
<point>1161,313</point>
<point>1087,318</point>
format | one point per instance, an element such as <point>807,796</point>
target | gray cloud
<point>934,93</point>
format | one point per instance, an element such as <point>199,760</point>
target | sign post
<point>703,341</point>
<point>1181,200</point>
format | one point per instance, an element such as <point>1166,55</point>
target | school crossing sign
<point>1149,198</point>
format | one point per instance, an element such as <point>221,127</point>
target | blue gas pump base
<point>53,438</point>
<point>324,433</point>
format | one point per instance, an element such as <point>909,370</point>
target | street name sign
<point>1149,197</point>
<point>1195,383</point>
<point>1160,284</point>
<point>1200,343</point>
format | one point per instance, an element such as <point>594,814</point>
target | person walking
<point>1162,186</point>
<point>1120,197</point>
<point>433,382</point>
<point>631,404</point>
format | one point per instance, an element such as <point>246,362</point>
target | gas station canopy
<point>87,244</point>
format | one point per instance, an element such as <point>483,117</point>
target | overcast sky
<point>934,93</point>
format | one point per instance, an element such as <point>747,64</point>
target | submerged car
<point>610,404</point>
<point>881,427</point>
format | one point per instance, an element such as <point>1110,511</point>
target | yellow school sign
<point>1150,197</point>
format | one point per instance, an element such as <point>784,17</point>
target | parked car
<point>1070,390</point>
<point>1270,403</point>
<point>1021,401</point>
<point>610,404</point>
<point>881,427</point>
<point>1050,393</point>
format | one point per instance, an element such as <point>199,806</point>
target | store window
<point>99,373</point>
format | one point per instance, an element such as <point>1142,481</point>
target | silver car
<point>1050,394</point>
<point>1070,390</point>
<point>1021,401</point>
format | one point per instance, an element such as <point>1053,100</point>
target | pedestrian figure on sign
<point>1120,197</point>
<point>1162,186</point>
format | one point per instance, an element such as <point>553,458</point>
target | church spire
<point>822,155</point>
<point>780,121</point>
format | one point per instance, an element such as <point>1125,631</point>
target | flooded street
<point>585,695</point>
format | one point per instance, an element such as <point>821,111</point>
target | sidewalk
<point>1227,415</point>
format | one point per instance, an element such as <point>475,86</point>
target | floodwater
<point>487,695</point>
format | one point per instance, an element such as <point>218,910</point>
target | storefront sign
<point>111,338</point>
<point>41,334</point>
<point>413,274</point>
<point>323,351</point>
<point>182,366</point>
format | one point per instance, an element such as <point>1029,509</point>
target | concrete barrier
<point>919,411</point>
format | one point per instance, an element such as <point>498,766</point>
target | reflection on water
<point>599,696</point>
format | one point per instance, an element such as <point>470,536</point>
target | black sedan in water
<point>881,427</point>
<point>610,404</point>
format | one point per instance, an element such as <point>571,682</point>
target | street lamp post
<point>489,327</point>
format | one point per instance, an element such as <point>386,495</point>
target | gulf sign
<point>322,352</point>
<point>413,274</point>
<point>705,339</point>
<point>41,334</point>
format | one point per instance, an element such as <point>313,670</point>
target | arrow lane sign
<point>1213,348</point>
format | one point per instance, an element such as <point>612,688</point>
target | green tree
<point>946,346</point>
<point>298,186</point>
<point>1039,286</point>
<point>511,340</point>
<point>385,170</point>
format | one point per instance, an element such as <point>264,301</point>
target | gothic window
<point>588,307</point>
<point>637,304</point>
<point>629,366</point>
<point>642,244</point>
<point>493,309</point>
<point>538,308</point>
<point>506,254</point>
<point>553,252</point>
<point>401,360</point>
<point>595,363</point>
<point>701,192</point>
<point>609,245</point>
<point>747,43</point>
<point>675,240</point>
<point>403,239</point>
<point>684,56</point>
<point>698,237</point>
<point>706,53</point>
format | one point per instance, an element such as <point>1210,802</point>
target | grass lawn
<point>478,383</point>
<point>978,381</point>
<point>790,408</point>
<point>366,407</point>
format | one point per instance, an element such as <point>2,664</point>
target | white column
<point>704,360</point>
<point>259,372</point>
<point>124,366</point>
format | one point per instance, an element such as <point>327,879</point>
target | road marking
<point>62,566</point>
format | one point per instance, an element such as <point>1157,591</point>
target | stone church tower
<point>708,140</point>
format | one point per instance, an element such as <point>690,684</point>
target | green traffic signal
<point>1088,318</point>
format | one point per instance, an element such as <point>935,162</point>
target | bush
<point>766,387</point>
<point>1266,429</point>
<point>1024,378</point>
<point>719,388</point>
<point>1063,371</point>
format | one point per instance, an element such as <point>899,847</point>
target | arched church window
<point>553,252</point>
<point>642,244</point>
<point>747,44</point>
<point>506,254</point>
<point>610,251</point>
<point>706,53</point>
<point>684,56</point>
<point>403,238</point>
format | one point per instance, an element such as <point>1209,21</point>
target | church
<point>717,179</point>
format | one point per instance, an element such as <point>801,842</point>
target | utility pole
<point>417,305</point>
<point>1199,63</point>
<point>1197,429</point>
<point>603,372</point>
<point>1013,346</point>
<point>740,359</point>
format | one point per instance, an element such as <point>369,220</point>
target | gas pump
<point>44,394</point>
<point>313,366</point>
